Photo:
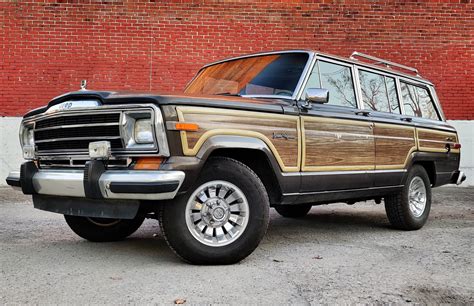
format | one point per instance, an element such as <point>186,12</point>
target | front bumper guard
<point>110,184</point>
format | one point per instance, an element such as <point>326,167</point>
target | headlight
<point>27,140</point>
<point>28,137</point>
<point>143,131</point>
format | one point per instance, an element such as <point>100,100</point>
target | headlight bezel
<point>129,126</point>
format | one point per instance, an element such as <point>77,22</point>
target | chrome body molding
<point>311,173</point>
<point>340,191</point>
<point>70,183</point>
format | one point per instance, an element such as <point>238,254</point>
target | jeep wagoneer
<point>287,129</point>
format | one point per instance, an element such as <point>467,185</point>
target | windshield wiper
<point>227,94</point>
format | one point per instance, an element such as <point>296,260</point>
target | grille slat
<point>69,145</point>
<point>75,132</point>
<point>78,119</point>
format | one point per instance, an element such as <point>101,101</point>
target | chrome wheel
<point>417,196</point>
<point>217,213</point>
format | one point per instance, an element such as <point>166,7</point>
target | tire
<point>199,225</point>
<point>103,229</point>
<point>400,212</point>
<point>293,211</point>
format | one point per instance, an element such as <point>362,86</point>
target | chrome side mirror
<point>317,95</point>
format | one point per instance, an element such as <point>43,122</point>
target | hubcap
<point>417,196</point>
<point>217,213</point>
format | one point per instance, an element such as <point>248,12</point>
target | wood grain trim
<point>306,168</point>
<point>182,110</point>
<point>412,149</point>
<point>434,141</point>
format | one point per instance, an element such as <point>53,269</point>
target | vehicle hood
<point>114,97</point>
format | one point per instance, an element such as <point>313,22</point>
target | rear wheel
<point>293,211</point>
<point>409,209</point>
<point>103,229</point>
<point>222,218</point>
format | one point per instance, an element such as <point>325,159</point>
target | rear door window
<point>418,102</point>
<point>379,92</point>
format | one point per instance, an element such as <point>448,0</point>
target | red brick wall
<point>47,47</point>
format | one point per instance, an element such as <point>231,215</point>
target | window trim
<point>424,86</point>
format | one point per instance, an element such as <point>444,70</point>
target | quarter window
<point>417,102</point>
<point>337,79</point>
<point>378,92</point>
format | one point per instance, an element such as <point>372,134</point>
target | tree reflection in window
<point>338,80</point>
<point>417,102</point>
<point>378,92</point>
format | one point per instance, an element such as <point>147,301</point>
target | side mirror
<point>317,95</point>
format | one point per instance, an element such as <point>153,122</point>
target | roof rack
<point>379,61</point>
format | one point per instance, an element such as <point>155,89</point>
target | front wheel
<point>103,229</point>
<point>222,218</point>
<point>409,208</point>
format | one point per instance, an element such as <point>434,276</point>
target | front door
<point>338,143</point>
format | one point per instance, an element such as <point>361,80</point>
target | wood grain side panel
<point>436,141</point>
<point>333,144</point>
<point>263,126</point>
<point>393,145</point>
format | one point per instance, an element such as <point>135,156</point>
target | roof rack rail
<point>379,61</point>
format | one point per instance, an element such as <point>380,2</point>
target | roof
<point>390,70</point>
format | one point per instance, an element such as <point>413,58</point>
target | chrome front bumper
<point>113,184</point>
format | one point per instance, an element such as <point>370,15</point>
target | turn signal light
<point>148,163</point>
<point>189,127</point>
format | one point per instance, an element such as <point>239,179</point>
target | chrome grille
<point>73,133</point>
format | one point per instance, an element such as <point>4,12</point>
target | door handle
<point>362,113</point>
<point>407,119</point>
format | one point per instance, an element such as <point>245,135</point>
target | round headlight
<point>143,131</point>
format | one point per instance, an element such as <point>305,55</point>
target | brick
<point>47,47</point>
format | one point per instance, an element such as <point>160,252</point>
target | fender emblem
<point>282,136</point>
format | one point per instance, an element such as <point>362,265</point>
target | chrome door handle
<point>362,113</point>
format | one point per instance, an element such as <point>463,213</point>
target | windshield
<point>275,74</point>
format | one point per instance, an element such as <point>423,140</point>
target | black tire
<point>190,249</point>
<point>397,206</point>
<point>293,211</point>
<point>103,229</point>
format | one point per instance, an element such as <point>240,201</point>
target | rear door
<point>394,134</point>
